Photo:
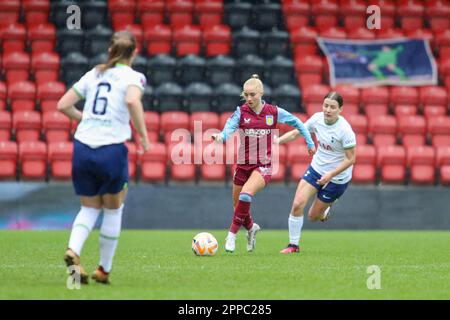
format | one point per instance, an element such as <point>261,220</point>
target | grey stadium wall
<point>54,206</point>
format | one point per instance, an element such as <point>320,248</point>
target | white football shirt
<point>106,119</point>
<point>332,142</point>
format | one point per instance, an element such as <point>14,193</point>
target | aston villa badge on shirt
<point>269,120</point>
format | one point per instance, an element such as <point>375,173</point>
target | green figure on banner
<point>386,57</point>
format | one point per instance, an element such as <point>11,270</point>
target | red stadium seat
<point>425,34</point>
<point>358,122</point>
<point>45,67</point>
<point>180,13</point>
<point>404,95</point>
<point>353,13</point>
<point>27,125</point>
<point>374,109</point>
<point>2,94</point>
<point>180,135</point>
<point>298,153</point>
<point>16,66</point>
<point>36,11</point>
<point>352,94</point>
<point>312,108</point>
<point>217,40</point>
<point>5,125</point>
<point>389,10</point>
<point>22,96</point>
<point>409,140</point>
<point>421,161</point>
<point>361,33</point>
<point>209,152</point>
<point>152,13</point>
<point>52,90</point>
<point>303,41</point>
<point>433,95</point>
<point>153,166</point>
<point>9,12</point>
<point>122,13</point>
<point>183,172</point>
<point>382,139</point>
<point>56,127</point>
<point>350,108</point>
<point>42,37</point>
<point>412,129</point>
<point>14,38</point>
<point>411,15</point>
<point>390,33</point>
<point>325,14</point>
<point>315,93</point>
<point>213,172</point>
<point>443,163</point>
<point>158,39</point>
<point>440,140</point>
<point>334,33</point>
<point>60,160</point>
<point>157,153</point>
<point>187,40</point>
<point>434,111</point>
<point>439,125</point>
<point>152,121</point>
<point>438,15</point>
<point>296,14</point>
<point>132,159</point>
<point>404,109</point>
<point>361,139</point>
<point>383,123</point>
<point>8,159</point>
<point>173,120</point>
<point>48,105</point>
<point>364,170</point>
<point>209,13</point>
<point>309,64</point>
<point>383,130</point>
<point>375,95</point>
<point>306,79</point>
<point>33,158</point>
<point>392,162</point>
<point>442,38</point>
<point>203,121</point>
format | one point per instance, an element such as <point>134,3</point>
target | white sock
<point>109,236</point>
<point>231,235</point>
<point>82,226</point>
<point>295,229</point>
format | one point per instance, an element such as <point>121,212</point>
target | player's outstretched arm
<point>134,104</point>
<point>231,126</point>
<point>66,105</point>
<point>288,137</point>
<point>288,118</point>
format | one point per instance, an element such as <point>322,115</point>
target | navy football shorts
<point>327,193</point>
<point>99,171</point>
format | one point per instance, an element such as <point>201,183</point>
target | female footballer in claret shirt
<point>256,120</point>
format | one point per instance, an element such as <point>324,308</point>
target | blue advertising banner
<point>362,63</point>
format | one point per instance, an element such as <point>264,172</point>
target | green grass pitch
<point>160,265</point>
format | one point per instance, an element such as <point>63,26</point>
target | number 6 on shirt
<point>104,99</point>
